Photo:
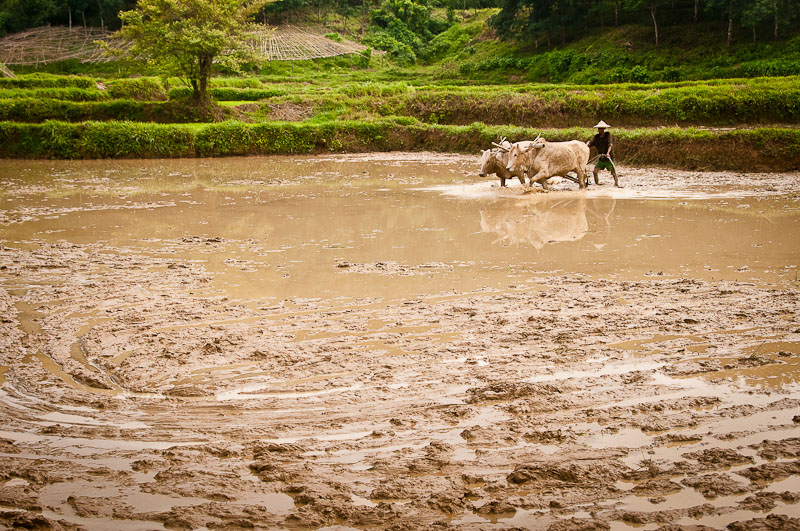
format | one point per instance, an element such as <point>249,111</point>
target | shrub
<point>41,110</point>
<point>129,139</point>
<point>39,80</point>
<point>230,94</point>
<point>363,58</point>
<point>68,94</point>
<point>138,88</point>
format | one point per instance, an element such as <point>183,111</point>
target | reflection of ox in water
<point>538,220</point>
<point>542,160</point>
<point>495,161</point>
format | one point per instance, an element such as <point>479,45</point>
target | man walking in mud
<point>604,144</point>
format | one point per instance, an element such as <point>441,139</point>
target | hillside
<point>670,103</point>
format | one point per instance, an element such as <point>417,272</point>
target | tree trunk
<point>775,12</point>
<point>730,29</point>
<point>754,34</point>
<point>69,11</point>
<point>616,14</point>
<point>200,85</point>
<point>100,11</point>
<point>696,6</point>
<point>655,22</point>
<point>83,16</point>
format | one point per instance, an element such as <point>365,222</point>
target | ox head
<point>487,161</point>
<point>494,159</point>
<point>522,153</point>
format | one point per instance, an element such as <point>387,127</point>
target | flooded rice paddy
<point>388,340</point>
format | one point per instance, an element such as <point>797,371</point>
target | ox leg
<point>502,181</point>
<point>581,177</point>
<point>541,178</point>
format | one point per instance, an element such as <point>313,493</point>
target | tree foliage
<point>187,38</point>
<point>404,28</point>
<point>18,15</point>
<point>543,20</point>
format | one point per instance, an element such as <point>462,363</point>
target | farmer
<point>604,144</point>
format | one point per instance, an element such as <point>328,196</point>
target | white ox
<point>542,159</point>
<point>495,161</point>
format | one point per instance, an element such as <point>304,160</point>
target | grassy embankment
<point>761,149</point>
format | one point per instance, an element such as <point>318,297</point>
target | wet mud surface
<point>389,341</point>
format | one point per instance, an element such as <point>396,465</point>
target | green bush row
<point>35,110</point>
<point>47,81</point>
<point>60,140</point>
<point>692,104</point>
<point>752,149</point>
<point>230,93</point>
<point>68,93</point>
<point>138,88</point>
<point>760,100</point>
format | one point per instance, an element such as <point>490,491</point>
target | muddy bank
<point>378,378</point>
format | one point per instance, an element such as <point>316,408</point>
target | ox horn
<point>502,148</point>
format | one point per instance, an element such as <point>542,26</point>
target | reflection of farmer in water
<point>604,144</point>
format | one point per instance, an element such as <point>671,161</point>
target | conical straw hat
<point>602,125</point>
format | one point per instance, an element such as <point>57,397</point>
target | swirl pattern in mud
<point>439,358</point>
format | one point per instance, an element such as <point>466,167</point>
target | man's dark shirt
<point>602,143</point>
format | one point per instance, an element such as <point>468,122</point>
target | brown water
<point>272,228</point>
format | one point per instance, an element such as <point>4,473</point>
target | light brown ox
<point>542,160</point>
<point>495,161</point>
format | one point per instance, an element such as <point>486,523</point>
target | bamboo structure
<point>6,71</point>
<point>294,43</point>
<point>50,44</point>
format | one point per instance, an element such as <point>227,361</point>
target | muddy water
<point>277,228</point>
<point>363,341</point>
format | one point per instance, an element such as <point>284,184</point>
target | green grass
<point>772,148</point>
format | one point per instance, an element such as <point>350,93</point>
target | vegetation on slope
<point>449,83</point>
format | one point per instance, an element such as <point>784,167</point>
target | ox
<point>496,160</point>
<point>542,159</point>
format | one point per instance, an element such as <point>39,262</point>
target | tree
<point>783,11</point>
<point>17,15</point>
<point>732,10</point>
<point>187,37</point>
<point>652,6</point>
<point>754,13</point>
